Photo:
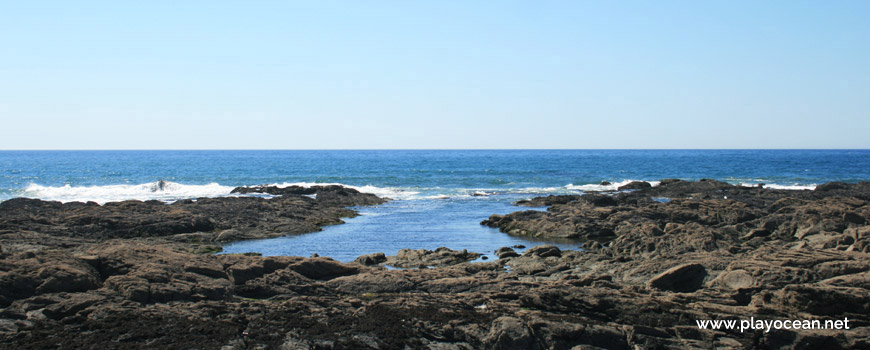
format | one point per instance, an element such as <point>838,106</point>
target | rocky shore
<point>141,275</point>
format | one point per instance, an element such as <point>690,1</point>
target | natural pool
<point>418,223</point>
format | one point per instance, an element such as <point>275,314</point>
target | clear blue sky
<point>434,74</point>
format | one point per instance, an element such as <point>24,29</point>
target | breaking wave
<point>605,187</point>
<point>158,190</point>
<point>171,191</point>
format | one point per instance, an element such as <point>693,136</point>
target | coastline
<point>71,279</point>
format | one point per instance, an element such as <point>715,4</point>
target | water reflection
<point>415,224</point>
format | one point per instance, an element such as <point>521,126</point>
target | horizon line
<point>427,149</point>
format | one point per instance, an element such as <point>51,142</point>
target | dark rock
<point>683,278</point>
<point>635,185</point>
<point>547,201</point>
<point>154,291</point>
<point>71,304</point>
<point>755,233</point>
<point>207,219</point>
<point>854,218</point>
<point>277,191</point>
<point>830,186</point>
<point>322,268</point>
<point>505,252</point>
<point>598,200</point>
<point>333,195</point>
<point>509,333</point>
<point>371,259</point>
<point>543,251</point>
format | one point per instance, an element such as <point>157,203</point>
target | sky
<point>434,74</point>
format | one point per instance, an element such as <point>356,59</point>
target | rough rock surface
<point>547,201</point>
<point>665,266</point>
<point>635,185</point>
<point>443,256</point>
<point>714,214</point>
<point>333,195</point>
<point>205,220</point>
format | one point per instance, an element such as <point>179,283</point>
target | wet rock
<point>277,191</point>
<point>547,201</point>
<point>635,185</point>
<point>333,195</point>
<point>505,252</point>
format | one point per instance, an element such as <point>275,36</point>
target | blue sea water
<point>434,190</point>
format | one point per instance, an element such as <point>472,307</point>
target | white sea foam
<point>170,191</point>
<point>611,187</point>
<point>437,196</point>
<point>160,190</point>
<point>783,187</point>
<point>409,193</point>
<point>383,192</point>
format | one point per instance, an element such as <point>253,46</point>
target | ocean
<point>439,196</point>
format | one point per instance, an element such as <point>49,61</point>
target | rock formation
<point>139,275</point>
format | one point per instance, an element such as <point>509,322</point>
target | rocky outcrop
<point>202,220</point>
<point>443,256</point>
<point>547,201</point>
<point>371,259</point>
<point>706,215</point>
<point>505,252</point>
<point>144,295</point>
<point>729,251</point>
<point>635,185</point>
<point>663,267</point>
<point>333,195</point>
<point>682,278</point>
